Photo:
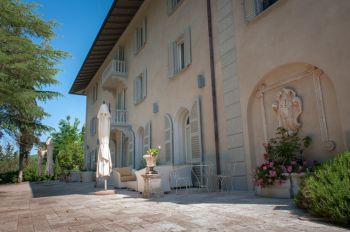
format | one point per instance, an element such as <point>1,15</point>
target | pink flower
<point>273,173</point>
<point>271,164</point>
<point>284,168</point>
<point>264,167</point>
<point>290,169</point>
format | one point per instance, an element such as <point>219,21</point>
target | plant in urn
<point>151,159</point>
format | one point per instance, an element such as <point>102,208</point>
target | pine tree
<point>27,68</point>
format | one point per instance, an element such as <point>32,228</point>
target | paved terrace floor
<point>72,207</point>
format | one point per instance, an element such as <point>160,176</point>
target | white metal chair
<point>201,174</point>
<point>181,176</point>
<point>227,174</point>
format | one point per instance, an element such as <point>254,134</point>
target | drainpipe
<point>213,88</point>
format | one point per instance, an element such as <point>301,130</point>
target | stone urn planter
<point>150,163</point>
<point>288,189</point>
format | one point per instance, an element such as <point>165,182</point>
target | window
<point>93,125</point>
<point>253,8</point>
<point>172,5</point>
<point>180,47</point>
<point>180,53</point>
<point>140,87</point>
<point>94,93</point>
<point>168,139</point>
<point>140,36</point>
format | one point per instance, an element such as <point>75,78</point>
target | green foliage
<point>8,177</point>
<point>283,155</point>
<point>27,69</point>
<point>8,159</point>
<point>27,65</point>
<point>326,192</point>
<point>68,145</point>
<point>286,147</point>
<point>153,151</point>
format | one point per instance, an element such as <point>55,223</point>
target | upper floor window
<point>94,93</point>
<point>93,125</point>
<point>140,87</point>
<point>180,53</point>
<point>140,36</point>
<point>172,5</point>
<point>253,8</point>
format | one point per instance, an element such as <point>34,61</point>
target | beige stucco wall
<point>174,94</point>
<point>290,32</point>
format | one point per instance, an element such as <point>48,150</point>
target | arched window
<point>168,139</point>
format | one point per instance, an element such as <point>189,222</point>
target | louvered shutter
<point>144,31</point>
<point>144,84</point>
<point>130,148</point>
<point>171,59</point>
<point>187,46</point>
<point>135,40</point>
<point>147,138</point>
<point>135,93</point>
<point>196,133</point>
<point>168,136</point>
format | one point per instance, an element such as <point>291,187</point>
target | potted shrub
<point>151,159</point>
<point>284,166</point>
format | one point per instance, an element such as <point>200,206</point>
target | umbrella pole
<point>105,183</point>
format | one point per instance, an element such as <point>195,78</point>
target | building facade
<point>210,81</point>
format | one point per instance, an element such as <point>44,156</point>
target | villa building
<point>211,80</point>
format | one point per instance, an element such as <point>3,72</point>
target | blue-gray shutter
<point>171,59</point>
<point>135,91</point>
<point>144,31</point>
<point>130,148</point>
<point>144,84</point>
<point>147,138</point>
<point>187,46</point>
<point>196,132</point>
<point>168,138</point>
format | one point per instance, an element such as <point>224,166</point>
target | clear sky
<point>78,24</point>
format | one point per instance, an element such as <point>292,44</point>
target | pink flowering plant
<point>284,155</point>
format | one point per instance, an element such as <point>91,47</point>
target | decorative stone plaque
<point>288,108</point>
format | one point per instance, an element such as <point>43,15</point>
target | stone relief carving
<point>288,108</point>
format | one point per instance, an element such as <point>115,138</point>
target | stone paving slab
<point>61,207</point>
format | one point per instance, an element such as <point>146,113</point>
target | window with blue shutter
<point>180,54</point>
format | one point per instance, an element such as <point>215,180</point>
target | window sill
<point>139,101</point>
<point>139,50</point>
<point>265,12</point>
<point>175,8</point>
<point>180,72</point>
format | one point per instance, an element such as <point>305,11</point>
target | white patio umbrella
<point>49,162</point>
<point>104,164</point>
<point>41,154</point>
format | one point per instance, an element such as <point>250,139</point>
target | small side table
<point>153,184</point>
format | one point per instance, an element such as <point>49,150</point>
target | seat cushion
<point>125,171</point>
<point>127,178</point>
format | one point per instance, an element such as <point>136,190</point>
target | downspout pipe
<point>213,88</point>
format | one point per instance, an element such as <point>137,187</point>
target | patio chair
<point>201,174</point>
<point>121,176</point>
<point>181,177</point>
<point>227,174</point>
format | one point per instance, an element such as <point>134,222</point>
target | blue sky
<point>78,24</point>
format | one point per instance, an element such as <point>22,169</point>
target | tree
<point>8,158</point>
<point>68,144</point>
<point>27,68</point>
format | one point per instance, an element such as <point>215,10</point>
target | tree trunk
<point>20,166</point>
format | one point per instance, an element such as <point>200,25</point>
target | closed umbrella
<point>41,154</point>
<point>49,162</point>
<point>104,164</point>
